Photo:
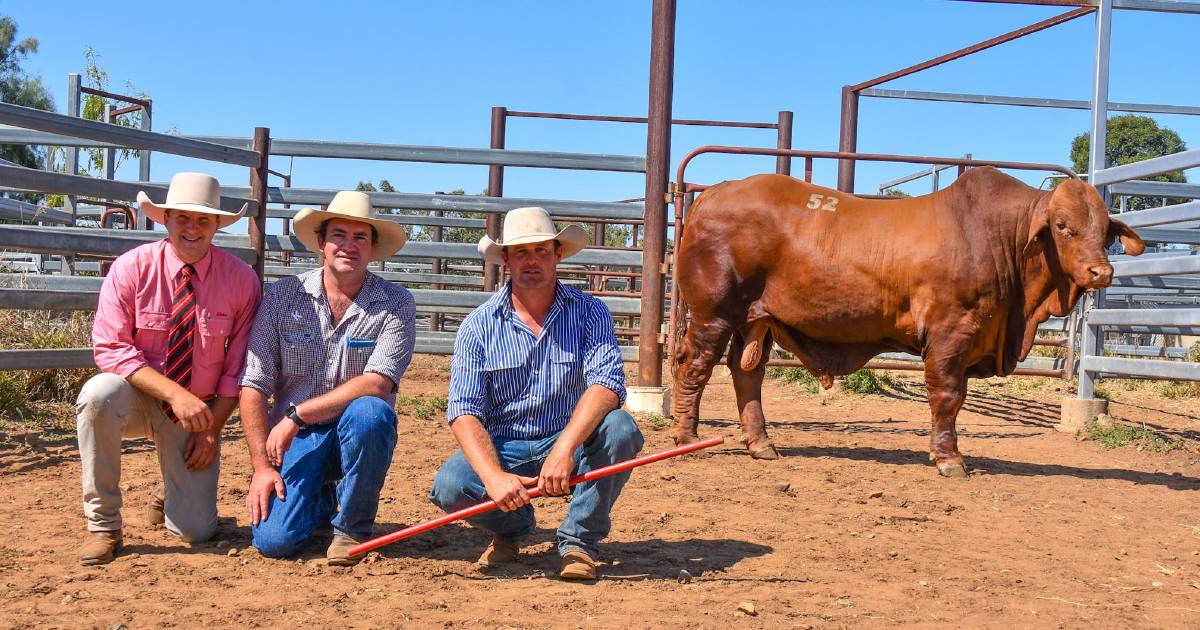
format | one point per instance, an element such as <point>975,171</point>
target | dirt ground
<point>851,528</point>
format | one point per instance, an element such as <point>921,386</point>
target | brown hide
<point>964,274</point>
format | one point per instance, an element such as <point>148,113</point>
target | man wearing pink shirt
<point>170,339</point>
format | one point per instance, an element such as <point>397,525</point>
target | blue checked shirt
<point>526,387</point>
<point>297,353</point>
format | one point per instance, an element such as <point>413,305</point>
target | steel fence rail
<point>14,210</point>
<point>1175,317</point>
<point>1170,265</point>
<point>44,181</point>
<point>1116,366</point>
<point>1147,168</point>
<point>457,203</point>
<point>65,358</point>
<point>126,137</point>
<point>1145,188</point>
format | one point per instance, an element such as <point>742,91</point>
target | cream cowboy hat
<point>352,206</point>
<point>191,192</point>
<point>532,225</point>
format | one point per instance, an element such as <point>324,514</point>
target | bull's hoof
<point>766,452</point>
<point>952,469</point>
<point>681,440</point>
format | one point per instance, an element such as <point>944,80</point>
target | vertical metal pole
<point>67,263</point>
<point>435,320</point>
<point>491,273</point>
<point>1093,339</point>
<point>143,222</point>
<point>783,163</point>
<point>1099,129</point>
<point>658,165</point>
<point>934,179</point>
<point>110,154</point>
<point>258,194</point>
<point>849,138</point>
<point>597,282</point>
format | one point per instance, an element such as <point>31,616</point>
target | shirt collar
<point>503,298</point>
<point>373,289</point>
<point>174,264</point>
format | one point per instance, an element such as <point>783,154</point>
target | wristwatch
<point>294,416</point>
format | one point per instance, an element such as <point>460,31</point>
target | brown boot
<point>577,565</point>
<point>154,509</point>
<point>338,553</point>
<point>497,553</point>
<point>99,547</point>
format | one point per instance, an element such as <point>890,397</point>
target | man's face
<point>533,266</point>
<point>190,233</point>
<point>346,246</point>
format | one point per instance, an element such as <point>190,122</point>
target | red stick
<point>489,505</point>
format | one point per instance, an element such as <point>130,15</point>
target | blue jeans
<point>587,522</point>
<point>357,449</point>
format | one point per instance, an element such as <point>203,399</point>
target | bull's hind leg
<point>748,385</point>
<point>697,354</point>
<point>946,382</point>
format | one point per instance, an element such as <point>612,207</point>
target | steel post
<point>491,273</point>
<point>258,193</point>
<point>848,142</point>
<point>658,164</point>
<point>143,222</point>
<point>783,163</point>
<point>72,153</point>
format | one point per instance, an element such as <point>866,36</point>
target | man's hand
<point>508,490</point>
<point>201,450</point>
<point>556,471</point>
<point>258,499</point>
<point>280,440</point>
<point>194,415</point>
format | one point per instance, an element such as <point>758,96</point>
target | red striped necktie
<point>178,364</point>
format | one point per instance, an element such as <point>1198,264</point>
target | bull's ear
<point>1035,242</point>
<point>1132,243</point>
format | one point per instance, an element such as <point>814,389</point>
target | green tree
<point>96,77</point>
<point>20,88</point>
<point>1132,138</point>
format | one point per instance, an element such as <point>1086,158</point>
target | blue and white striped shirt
<point>525,386</point>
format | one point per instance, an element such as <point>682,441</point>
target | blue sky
<point>429,72</point>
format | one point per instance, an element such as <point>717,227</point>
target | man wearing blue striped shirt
<point>536,386</point>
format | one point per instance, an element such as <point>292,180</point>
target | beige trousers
<point>108,409</point>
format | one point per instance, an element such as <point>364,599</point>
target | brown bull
<point>961,277</point>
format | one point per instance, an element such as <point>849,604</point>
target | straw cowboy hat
<point>532,225</point>
<point>353,206</point>
<point>191,192</point>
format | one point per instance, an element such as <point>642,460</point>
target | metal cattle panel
<point>30,118</point>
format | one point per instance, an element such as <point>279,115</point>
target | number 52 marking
<point>823,202</point>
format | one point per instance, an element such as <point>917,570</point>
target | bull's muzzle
<point>1099,275</point>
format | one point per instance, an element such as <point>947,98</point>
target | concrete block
<point>648,400</point>
<point>1077,411</point>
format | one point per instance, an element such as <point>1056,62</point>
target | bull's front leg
<point>946,382</point>
<point>697,354</point>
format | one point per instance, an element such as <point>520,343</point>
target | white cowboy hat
<point>352,206</point>
<point>191,192</point>
<point>532,225</point>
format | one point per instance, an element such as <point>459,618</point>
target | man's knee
<point>275,542</point>
<point>196,532</point>
<point>621,434</point>
<point>454,485</point>
<point>103,395</point>
<point>368,415</point>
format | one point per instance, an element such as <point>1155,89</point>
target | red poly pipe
<point>489,505</point>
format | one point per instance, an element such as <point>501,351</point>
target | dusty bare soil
<point>852,528</point>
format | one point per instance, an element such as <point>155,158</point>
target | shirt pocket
<point>299,352</point>
<point>508,376</point>
<point>566,364</point>
<point>214,337</point>
<point>151,335</point>
<point>358,354</point>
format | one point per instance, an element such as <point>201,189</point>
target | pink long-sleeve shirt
<point>133,316</point>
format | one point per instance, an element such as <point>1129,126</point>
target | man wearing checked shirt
<point>330,346</point>
<point>536,386</point>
